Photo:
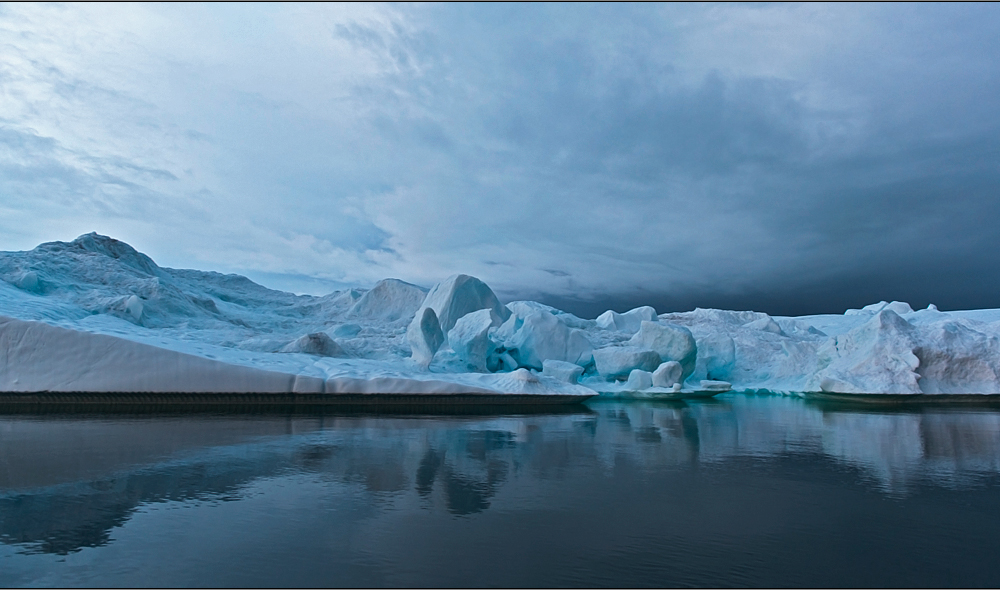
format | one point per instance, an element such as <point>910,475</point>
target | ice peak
<point>110,247</point>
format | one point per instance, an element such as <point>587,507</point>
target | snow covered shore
<point>95,315</point>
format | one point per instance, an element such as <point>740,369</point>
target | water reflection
<point>66,483</point>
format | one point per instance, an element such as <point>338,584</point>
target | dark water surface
<point>758,491</point>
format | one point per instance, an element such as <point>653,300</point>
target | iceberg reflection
<point>67,482</point>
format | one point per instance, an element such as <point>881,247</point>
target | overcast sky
<point>783,158</point>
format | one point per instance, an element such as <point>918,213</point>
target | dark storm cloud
<point>785,158</point>
<point>896,200</point>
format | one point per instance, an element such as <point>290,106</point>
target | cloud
<point>789,157</point>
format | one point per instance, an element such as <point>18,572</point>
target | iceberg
<point>671,342</point>
<point>388,301</point>
<point>668,374</point>
<point>459,295</point>
<point>471,342</point>
<point>425,336</point>
<point>639,380</point>
<point>541,336</point>
<point>629,322</point>
<point>563,371</point>
<point>95,315</point>
<point>617,362</point>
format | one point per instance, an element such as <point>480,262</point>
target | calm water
<point>756,491</point>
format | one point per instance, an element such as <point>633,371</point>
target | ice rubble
<point>96,315</point>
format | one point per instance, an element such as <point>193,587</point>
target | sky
<point>786,158</point>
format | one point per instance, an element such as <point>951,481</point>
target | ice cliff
<point>94,314</point>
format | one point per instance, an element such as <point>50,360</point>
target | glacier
<point>96,315</point>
